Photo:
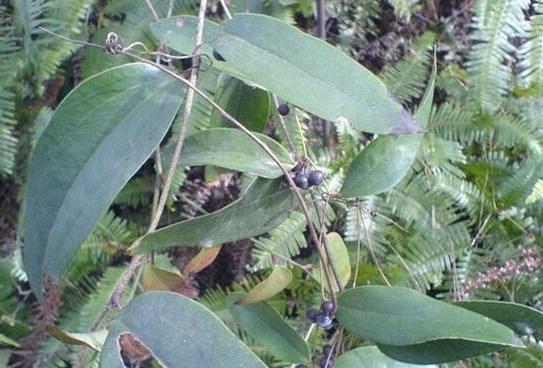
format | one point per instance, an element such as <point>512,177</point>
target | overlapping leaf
<point>98,137</point>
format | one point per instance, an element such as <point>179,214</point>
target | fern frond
<point>537,192</point>
<point>287,239</point>
<point>8,141</point>
<point>531,52</point>
<point>408,78</point>
<point>489,69</point>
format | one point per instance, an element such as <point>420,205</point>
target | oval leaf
<point>266,204</point>
<point>520,318</point>
<point>268,329</point>
<point>401,316</point>
<point>94,340</point>
<point>98,137</point>
<point>384,162</point>
<point>279,279</point>
<point>176,329</point>
<point>370,357</point>
<point>340,257</point>
<point>203,259</point>
<point>438,351</point>
<point>310,73</point>
<point>231,149</point>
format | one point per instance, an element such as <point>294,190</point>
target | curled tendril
<point>113,44</point>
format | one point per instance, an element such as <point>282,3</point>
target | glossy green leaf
<point>179,332</point>
<point>278,280</point>
<point>249,105</point>
<point>520,318</point>
<point>401,316</point>
<point>310,73</point>
<point>340,258</point>
<point>370,357</point>
<point>269,330</point>
<point>266,204</point>
<point>384,162</point>
<point>178,33</point>
<point>232,149</point>
<point>98,137</point>
<point>438,351</point>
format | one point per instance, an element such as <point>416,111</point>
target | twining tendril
<point>114,45</point>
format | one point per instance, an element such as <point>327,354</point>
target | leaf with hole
<point>384,162</point>
<point>231,149</point>
<point>272,285</point>
<point>398,316</point>
<point>98,137</point>
<point>177,330</point>
<point>266,326</point>
<point>310,73</point>
<point>266,204</point>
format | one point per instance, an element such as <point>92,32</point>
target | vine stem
<point>189,98</point>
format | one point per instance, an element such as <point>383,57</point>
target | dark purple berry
<point>324,320</point>
<point>327,307</point>
<point>312,315</point>
<point>301,181</point>
<point>315,177</point>
<point>326,362</point>
<point>217,56</point>
<point>327,350</point>
<point>301,366</point>
<point>283,109</point>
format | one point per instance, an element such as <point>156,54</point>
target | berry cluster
<point>324,317</point>
<point>305,178</point>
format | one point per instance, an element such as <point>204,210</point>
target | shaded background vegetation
<point>466,221</point>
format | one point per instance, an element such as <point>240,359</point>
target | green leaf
<point>266,204</point>
<point>340,257</point>
<point>310,73</point>
<point>94,340</point>
<point>438,351</point>
<point>520,318</point>
<point>98,137</point>
<point>178,331</point>
<point>269,330</point>
<point>370,357</point>
<point>279,279</point>
<point>384,162</point>
<point>232,149</point>
<point>401,316</point>
<point>248,104</point>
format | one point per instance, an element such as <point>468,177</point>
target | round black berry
<point>283,109</point>
<point>327,350</point>
<point>326,362</point>
<point>217,56</point>
<point>312,315</point>
<point>327,307</point>
<point>323,320</point>
<point>301,181</point>
<point>315,177</point>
